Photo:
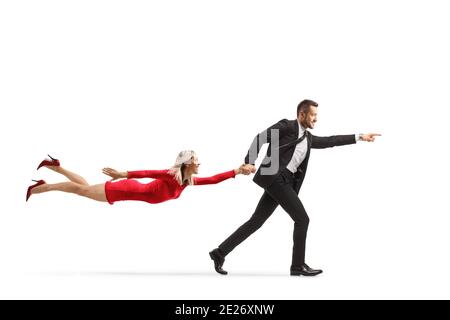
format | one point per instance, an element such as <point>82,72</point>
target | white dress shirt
<point>300,150</point>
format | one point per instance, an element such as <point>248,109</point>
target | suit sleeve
<point>153,174</point>
<point>214,179</point>
<point>263,138</point>
<point>332,141</point>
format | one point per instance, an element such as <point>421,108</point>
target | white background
<point>128,84</point>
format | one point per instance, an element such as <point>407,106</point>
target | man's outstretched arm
<point>333,141</point>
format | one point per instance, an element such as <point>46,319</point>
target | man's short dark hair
<point>305,105</point>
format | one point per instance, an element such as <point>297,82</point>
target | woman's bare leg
<point>69,175</point>
<point>94,192</point>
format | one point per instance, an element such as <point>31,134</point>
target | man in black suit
<point>281,175</point>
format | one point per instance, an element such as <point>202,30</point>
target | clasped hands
<point>246,169</point>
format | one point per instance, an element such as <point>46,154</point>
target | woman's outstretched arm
<point>153,174</point>
<point>221,176</point>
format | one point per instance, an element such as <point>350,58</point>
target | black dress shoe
<point>219,260</point>
<point>304,270</point>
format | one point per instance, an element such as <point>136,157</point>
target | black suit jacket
<point>288,132</point>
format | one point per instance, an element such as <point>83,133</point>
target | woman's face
<point>193,166</point>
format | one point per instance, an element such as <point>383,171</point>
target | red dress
<point>163,188</point>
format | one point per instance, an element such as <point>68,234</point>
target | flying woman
<point>168,184</point>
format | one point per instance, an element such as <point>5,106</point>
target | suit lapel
<point>309,139</point>
<point>308,150</point>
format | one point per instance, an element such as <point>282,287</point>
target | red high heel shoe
<point>38,183</point>
<point>51,162</point>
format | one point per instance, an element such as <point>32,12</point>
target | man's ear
<point>302,115</point>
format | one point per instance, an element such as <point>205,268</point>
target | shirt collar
<point>301,130</point>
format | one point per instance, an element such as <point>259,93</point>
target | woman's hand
<point>114,174</point>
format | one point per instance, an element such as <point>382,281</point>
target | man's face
<point>308,119</point>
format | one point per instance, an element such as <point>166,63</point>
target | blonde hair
<point>183,158</point>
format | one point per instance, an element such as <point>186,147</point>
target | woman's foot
<point>49,163</point>
<point>30,188</point>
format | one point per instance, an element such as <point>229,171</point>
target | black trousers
<point>282,193</point>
